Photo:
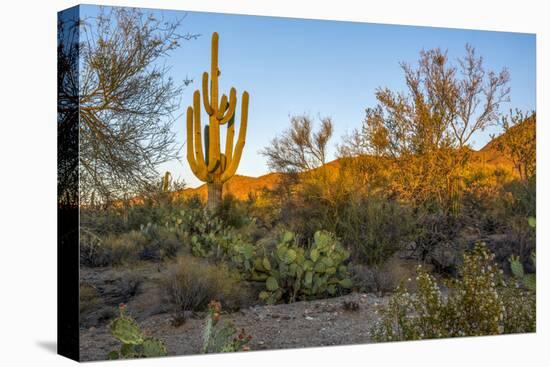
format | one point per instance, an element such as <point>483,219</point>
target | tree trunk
<point>214,196</point>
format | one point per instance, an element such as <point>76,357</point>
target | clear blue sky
<point>323,68</point>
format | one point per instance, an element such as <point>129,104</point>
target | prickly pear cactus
<point>293,272</point>
<point>126,329</point>
<point>222,339</point>
<point>134,343</point>
<point>527,280</point>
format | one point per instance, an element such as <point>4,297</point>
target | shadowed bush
<point>191,283</point>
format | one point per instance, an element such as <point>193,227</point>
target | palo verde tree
<point>209,164</point>
<point>126,101</point>
<point>299,149</point>
<point>427,128</point>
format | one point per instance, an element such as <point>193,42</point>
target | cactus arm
<point>205,100</point>
<point>197,169</point>
<point>207,144</point>
<point>199,154</point>
<point>231,110</point>
<point>222,108</point>
<point>223,162</point>
<point>190,153</point>
<point>229,140</point>
<point>214,145</point>
<point>234,161</point>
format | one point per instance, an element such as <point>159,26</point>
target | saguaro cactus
<point>210,164</point>
<point>166,181</point>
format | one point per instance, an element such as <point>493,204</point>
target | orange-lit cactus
<point>210,164</point>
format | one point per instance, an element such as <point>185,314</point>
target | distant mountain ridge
<point>242,186</point>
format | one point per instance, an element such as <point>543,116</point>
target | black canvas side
<point>67,184</point>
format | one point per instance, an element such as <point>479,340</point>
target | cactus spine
<point>210,164</point>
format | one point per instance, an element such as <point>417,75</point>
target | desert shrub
<point>92,253</point>
<point>191,283</point>
<point>150,243</point>
<point>125,248</point>
<point>478,303</point>
<point>222,338</point>
<point>437,240</point>
<point>520,310</point>
<point>516,239</point>
<point>233,212</point>
<point>480,199</point>
<point>112,249</point>
<point>520,198</point>
<point>374,228</point>
<point>161,243</point>
<point>292,272</point>
<point>135,343</point>
<point>89,298</point>
<point>382,278</point>
<point>522,235</point>
<point>102,221</point>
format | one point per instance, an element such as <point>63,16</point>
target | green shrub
<point>122,249</point>
<point>135,344</point>
<point>102,221</point>
<point>520,310</point>
<point>151,242</point>
<point>292,272</point>
<point>374,228</point>
<point>233,212</point>
<point>191,283</point>
<point>519,198</point>
<point>161,243</point>
<point>478,303</point>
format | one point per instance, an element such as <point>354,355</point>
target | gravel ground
<point>298,325</point>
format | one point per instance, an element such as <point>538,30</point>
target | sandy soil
<point>298,325</point>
